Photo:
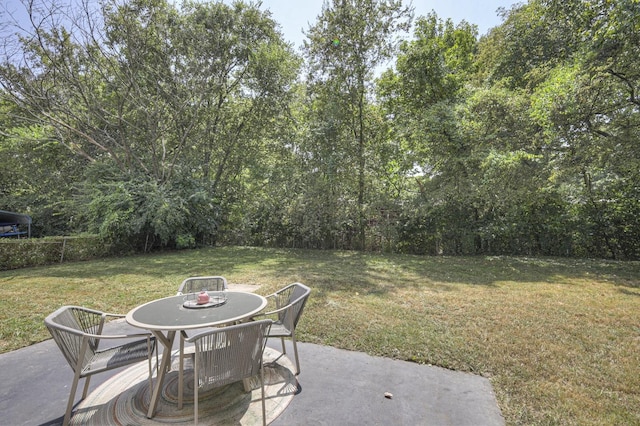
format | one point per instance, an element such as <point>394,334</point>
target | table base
<point>124,398</point>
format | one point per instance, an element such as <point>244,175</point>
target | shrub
<point>25,252</point>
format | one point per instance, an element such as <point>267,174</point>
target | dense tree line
<point>157,125</point>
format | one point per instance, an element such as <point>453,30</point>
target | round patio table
<point>170,315</point>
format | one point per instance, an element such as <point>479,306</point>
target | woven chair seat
<point>279,330</point>
<point>118,356</point>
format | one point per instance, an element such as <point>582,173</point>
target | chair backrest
<point>196,284</point>
<point>69,326</point>
<point>229,354</point>
<point>295,295</point>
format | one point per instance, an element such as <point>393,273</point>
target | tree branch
<point>632,91</point>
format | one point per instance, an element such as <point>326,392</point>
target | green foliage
<point>529,42</point>
<point>436,64</point>
<point>157,126</point>
<point>346,44</point>
<point>553,102</point>
<point>141,214</point>
<point>162,107</point>
<point>185,241</point>
<point>532,161</point>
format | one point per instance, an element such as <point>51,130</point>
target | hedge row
<point>21,253</point>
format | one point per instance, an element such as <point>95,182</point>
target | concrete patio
<point>336,387</point>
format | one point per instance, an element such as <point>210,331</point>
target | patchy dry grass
<point>559,339</point>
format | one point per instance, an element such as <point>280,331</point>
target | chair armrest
<point>275,311</point>
<point>81,333</point>
<point>116,336</point>
<point>270,296</point>
<point>271,300</point>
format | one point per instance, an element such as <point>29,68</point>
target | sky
<point>296,15</point>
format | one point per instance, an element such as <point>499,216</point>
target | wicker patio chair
<point>196,284</point>
<point>286,307</point>
<point>78,331</point>
<point>227,355</point>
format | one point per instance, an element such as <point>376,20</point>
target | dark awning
<point>11,218</point>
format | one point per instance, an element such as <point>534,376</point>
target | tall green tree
<point>346,44</point>
<point>589,108</point>
<point>421,98</point>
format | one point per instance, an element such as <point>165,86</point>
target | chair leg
<point>150,370</point>
<point>181,374</point>
<point>72,395</point>
<point>246,382</point>
<point>85,390</point>
<point>284,348</point>
<point>295,351</point>
<point>195,392</point>
<point>264,410</point>
<point>67,414</point>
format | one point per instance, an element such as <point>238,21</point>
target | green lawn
<point>559,339</point>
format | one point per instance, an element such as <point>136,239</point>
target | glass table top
<point>170,313</point>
